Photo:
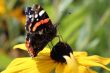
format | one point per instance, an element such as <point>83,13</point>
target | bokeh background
<point>84,24</point>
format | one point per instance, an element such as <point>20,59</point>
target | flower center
<point>59,50</point>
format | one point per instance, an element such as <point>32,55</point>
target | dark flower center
<point>59,50</point>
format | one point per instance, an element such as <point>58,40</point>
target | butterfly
<point>39,29</point>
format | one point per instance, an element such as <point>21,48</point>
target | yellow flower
<point>18,13</point>
<point>2,7</point>
<point>76,62</point>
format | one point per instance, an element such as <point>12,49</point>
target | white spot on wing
<point>25,27</point>
<point>30,16</point>
<point>36,15</point>
<point>32,19</point>
<point>37,19</point>
<point>29,40</point>
<point>41,32</point>
<point>41,13</point>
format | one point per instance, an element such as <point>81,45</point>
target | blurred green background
<point>84,24</point>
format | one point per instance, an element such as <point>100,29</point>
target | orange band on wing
<point>29,48</point>
<point>40,23</point>
<point>27,44</point>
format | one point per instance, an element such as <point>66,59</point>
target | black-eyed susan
<point>60,59</point>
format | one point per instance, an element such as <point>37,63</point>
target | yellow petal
<point>45,66</point>
<point>60,68</point>
<point>40,64</point>
<point>18,61</point>
<point>23,47</point>
<point>45,50</point>
<point>20,46</point>
<point>80,54</point>
<point>22,65</point>
<point>72,65</point>
<point>83,69</point>
<point>31,65</point>
<point>99,59</point>
<point>44,63</point>
<point>85,61</point>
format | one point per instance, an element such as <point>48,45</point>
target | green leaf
<point>4,61</point>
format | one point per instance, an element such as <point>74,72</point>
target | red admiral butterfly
<point>39,29</point>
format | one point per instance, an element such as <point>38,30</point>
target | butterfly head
<point>34,15</point>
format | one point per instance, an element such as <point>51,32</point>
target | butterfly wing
<point>39,28</point>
